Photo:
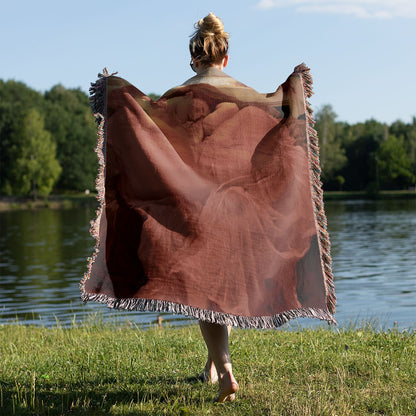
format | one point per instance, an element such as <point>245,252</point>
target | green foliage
<point>18,93</point>
<point>394,163</point>
<point>71,123</point>
<point>72,133</point>
<point>15,100</point>
<point>340,180</point>
<point>104,369</point>
<point>369,156</point>
<point>361,171</point>
<point>332,154</point>
<point>153,96</point>
<point>34,166</point>
<point>407,133</point>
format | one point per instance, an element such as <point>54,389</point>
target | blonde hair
<point>209,42</point>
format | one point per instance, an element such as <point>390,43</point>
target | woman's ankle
<point>227,387</point>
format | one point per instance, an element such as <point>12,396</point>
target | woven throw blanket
<point>210,202</point>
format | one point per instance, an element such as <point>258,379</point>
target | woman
<point>209,53</point>
<point>211,203</point>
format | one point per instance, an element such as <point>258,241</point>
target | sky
<point>361,53</point>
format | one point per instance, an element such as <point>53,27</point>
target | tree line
<point>368,156</point>
<point>47,142</point>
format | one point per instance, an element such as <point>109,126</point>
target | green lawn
<point>107,369</point>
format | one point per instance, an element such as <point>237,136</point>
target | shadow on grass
<point>98,397</point>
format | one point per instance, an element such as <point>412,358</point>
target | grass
<point>107,369</point>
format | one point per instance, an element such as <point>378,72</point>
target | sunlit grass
<point>98,368</point>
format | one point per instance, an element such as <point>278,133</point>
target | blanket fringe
<point>245,322</point>
<point>98,92</point>
<point>317,193</point>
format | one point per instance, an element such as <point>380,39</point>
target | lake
<point>43,257</point>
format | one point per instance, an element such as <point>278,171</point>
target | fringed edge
<point>98,91</point>
<point>97,102</point>
<point>246,322</point>
<point>316,188</point>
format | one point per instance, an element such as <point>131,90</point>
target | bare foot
<point>228,388</point>
<point>209,374</point>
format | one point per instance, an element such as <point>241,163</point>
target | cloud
<point>365,9</point>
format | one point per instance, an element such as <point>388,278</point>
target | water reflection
<point>43,257</point>
<point>374,252</point>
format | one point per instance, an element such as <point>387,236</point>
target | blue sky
<point>361,53</point>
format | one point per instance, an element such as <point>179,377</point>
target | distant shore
<point>62,201</point>
<point>341,195</point>
<point>66,201</point>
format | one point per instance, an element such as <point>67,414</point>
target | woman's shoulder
<point>214,82</point>
<point>215,77</point>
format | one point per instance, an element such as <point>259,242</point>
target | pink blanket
<point>211,203</point>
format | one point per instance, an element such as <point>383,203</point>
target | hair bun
<point>209,42</point>
<point>210,25</point>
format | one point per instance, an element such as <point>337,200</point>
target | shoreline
<point>348,195</point>
<point>59,201</point>
<point>67,201</point>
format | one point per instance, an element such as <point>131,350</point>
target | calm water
<point>43,257</point>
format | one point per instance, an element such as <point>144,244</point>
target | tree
<point>361,142</point>
<point>15,99</point>
<point>394,164</point>
<point>332,154</point>
<point>408,134</point>
<point>7,121</point>
<point>71,123</point>
<point>34,168</point>
<point>42,134</point>
<point>153,96</point>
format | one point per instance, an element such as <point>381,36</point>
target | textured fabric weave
<point>211,204</point>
